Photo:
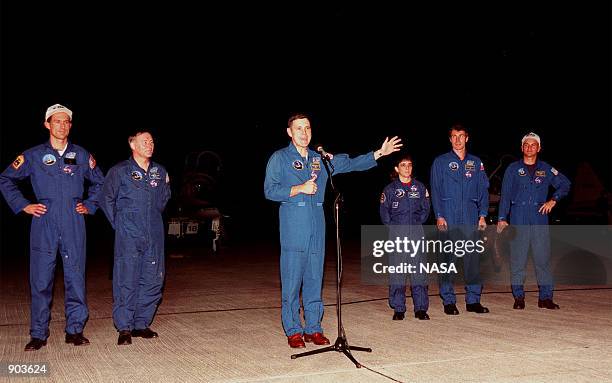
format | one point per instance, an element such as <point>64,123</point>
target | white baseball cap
<point>531,135</point>
<point>56,109</point>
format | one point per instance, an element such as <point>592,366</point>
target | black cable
<point>381,374</point>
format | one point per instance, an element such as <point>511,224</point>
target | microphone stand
<point>341,343</point>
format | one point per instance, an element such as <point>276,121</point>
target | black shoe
<point>476,308</point>
<point>519,303</point>
<point>77,339</point>
<point>35,344</point>
<point>398,316</point>
<point>451,309</point>
<point>548,304</point>
<point>125,337</point>
<point>421,315</point>
<point>146,333</point>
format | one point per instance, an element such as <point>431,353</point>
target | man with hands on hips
<point>524,204</point>
<point>58,171</point>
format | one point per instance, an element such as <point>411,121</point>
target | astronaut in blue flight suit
<point>460,198</point>
<point>133,198</point>
<point>404,207</point>
<point>295,177</point>
<point>525,204</point>
<point>58,171</point>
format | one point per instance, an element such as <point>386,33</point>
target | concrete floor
<point>219,321</point>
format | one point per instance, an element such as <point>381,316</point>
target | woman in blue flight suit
<point>404,207</point>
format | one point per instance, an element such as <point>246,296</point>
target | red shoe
<point>296,341</point>
<point>317,338</point>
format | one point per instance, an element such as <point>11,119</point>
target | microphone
<point>323,153</point>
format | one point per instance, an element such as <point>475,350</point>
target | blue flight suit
<point>459,192</point>
<point>58,182</point>
<point>133,200</point>
<point>522,196</point>
<point>404,208</point>
<point>302,229</point>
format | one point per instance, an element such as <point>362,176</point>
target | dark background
<point>204,77</point>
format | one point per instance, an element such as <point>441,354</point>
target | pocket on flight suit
<point>475,206</point>
<point>448,205</point>
<point>68,246</point>
<point>41,260</point>
<point>153,270</point>
<point>128,223</point>
<point>294,228</point>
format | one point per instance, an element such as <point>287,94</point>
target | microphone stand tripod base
<point>341,345</point>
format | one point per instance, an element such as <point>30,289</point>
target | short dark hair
<point>136,133</point>
<point>458,127</point>
<point>405,157</point>
<point>297,116</point>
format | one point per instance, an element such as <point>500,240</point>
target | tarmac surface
<point>219,321</point>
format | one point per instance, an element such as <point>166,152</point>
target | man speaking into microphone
<point>295,178</point>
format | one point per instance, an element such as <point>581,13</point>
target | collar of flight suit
<point>467,155</point>
<point>50,147</point>
<point>537,167</point>
<point>400,184</point>
<point>134,163</point>
<point>293,150</point>
<point>537,163</point>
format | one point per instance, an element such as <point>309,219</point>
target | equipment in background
<point>196,214</point>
